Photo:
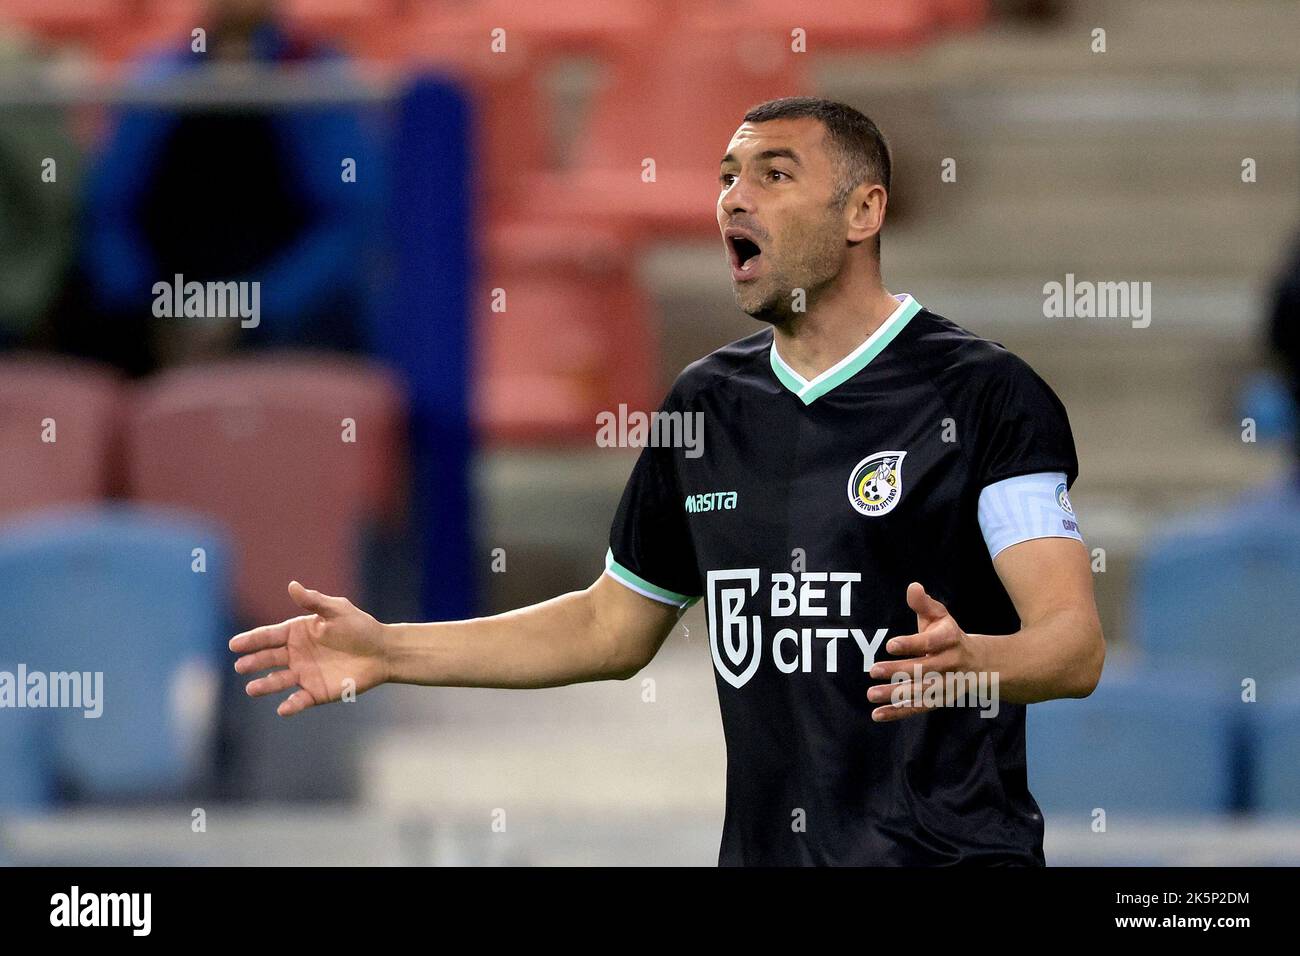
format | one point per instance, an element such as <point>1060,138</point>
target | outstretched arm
<point>604,632</point>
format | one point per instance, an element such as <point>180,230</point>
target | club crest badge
<point>876,483</point>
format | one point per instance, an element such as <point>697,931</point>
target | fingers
<point>277,681</point>
<point>272,683</point>
<point>315,601</point>
<point>900,711</point>
<point>933,664</point>
<point>262,660</point>
<point>260,638</point>
<point>927,608</point>
<point>936,638</point>
<point>900,700</point>
<point>295,703</point>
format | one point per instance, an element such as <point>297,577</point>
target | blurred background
<point>460,260</point>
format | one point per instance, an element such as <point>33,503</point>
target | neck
<point>843,317</point>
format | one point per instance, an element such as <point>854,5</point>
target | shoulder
<point>962,363</point>
<point>1016,424</point>
<point>722,366</point>
<point>936,341</point>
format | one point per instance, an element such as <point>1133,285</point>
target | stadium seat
<point>575,338</point>
<point>77,404</point>
<point>829,24</point>
<point>1150,741</point>
<point>684,133</point>
<point>960,14</point>
<point>550,26</point>
<point>117,591</point>
<point>261,445</point>
<point>1223,589</point>
<point>65,19</point>
<point>1276,736</point>
<point>26,779</point>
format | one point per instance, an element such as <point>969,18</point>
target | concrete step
<point>1234,233</point>
<point>1177,165</point>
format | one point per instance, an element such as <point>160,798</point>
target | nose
<point>734,199</point>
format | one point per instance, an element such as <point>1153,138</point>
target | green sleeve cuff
<point>643,587</point>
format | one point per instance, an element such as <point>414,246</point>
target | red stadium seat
<point>336,11</point>
<point>550,26</point>
<point>574,339</point>
<point>513,110</point>
<point>961,14</point>
<point>699,93</point>
<point>834,24</point>
<point>82,400</point>
<point>259,445</point>
<point>65,19</point>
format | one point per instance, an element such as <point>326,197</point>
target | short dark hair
<point>863,152</point>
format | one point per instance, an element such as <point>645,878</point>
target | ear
<point>865,209</point>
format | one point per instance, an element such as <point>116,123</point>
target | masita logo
<point>876,483</point>
<point>76,908</point>
<point>736,599</point>
<point>711,501</point>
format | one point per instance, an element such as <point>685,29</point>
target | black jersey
<point>800,523</point>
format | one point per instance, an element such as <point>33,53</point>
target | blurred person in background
<point>37,205</point>
<point>1284,335</point>
<point>231,194</point>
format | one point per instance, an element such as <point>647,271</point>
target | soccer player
<point>878,525</point>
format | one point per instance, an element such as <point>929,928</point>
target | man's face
<point>779,228</point>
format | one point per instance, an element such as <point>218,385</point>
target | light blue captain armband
<point>1025,507</point>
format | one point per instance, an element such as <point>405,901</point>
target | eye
<point>727,178</point>
<point>772,173</point>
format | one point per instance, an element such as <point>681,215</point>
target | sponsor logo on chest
<point>737,599</point>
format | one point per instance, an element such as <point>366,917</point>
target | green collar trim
<point>853,363</point>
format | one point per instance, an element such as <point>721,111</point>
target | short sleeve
<point>1023,428</point>
<point>650,547</point>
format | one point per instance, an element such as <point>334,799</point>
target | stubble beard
<point>772,299</point>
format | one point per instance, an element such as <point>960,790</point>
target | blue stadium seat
<point>1224,590</point>
<point>25,774</point>
<point>112,590</point>
<point>1276,735</point>
<point>1148,741</point>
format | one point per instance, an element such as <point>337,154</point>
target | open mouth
<point>745,253</point>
